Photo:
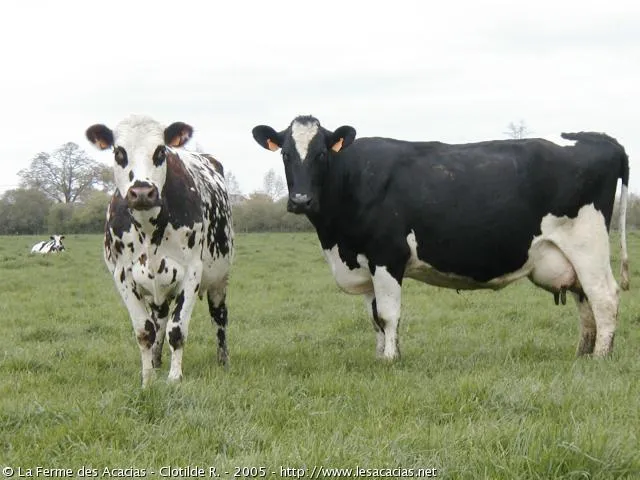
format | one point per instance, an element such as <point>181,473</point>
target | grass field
<point>488,385</point>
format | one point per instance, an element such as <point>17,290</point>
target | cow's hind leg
<point>603,297</point>
<point>378,325</point>
<point>219,315</point>
<point>588,329</point>
<point>388,296</point>
<point>587,248</point>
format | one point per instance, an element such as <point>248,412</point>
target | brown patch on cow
<point>216,164</point>
<point>143,259</point>
<point>176,340</point>
<point>148,336</point>
<point>119,246</point>
<point>192,239</point>
<point>182,204</point>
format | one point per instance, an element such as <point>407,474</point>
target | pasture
<point>488,385</point>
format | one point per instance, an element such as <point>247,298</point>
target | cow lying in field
<point>53,245</point>
<point>471,216</point>
<point>168,236</point>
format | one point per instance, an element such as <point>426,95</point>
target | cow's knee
<point>603,300</point>
<point>587,340</point>
<point>146,336</point>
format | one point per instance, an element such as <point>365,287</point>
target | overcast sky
<point>453,71</point>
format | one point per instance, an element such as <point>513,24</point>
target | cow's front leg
<point>178,327</point>
<point>143,325</point>
<point>378,325</point>
<point>162,316</point>
<point>387,291</point>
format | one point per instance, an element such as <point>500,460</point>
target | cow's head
<point>307,150</point>
<point>140,147</point>
<point>57,243</point>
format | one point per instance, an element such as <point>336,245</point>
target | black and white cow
<point>168,235</point>
<point>53,245</point>
<point>471,216</point>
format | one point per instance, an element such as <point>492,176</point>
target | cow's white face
<point>139,155</point>
<point>140,147</point>
<point>57,243</point>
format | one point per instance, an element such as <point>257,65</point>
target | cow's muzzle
<point>143,197</point>
<point>300,203</point>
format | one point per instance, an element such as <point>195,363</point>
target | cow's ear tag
<point>271,145</point>
<point>336,147</point>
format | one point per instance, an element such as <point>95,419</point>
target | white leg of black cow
<point>601,289</point>
<point>372,309</point>
<point>143,327</point>
<point>178,328</point>
<point>588,330</point>
<point>585,242</point>
<point>216,298</point>
<point>388,297</point>
<point>162,316</point>
<point>604,299</point>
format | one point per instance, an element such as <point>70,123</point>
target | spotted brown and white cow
<point>53,245</point>
<point>478,215</point>
<point>168,235</point>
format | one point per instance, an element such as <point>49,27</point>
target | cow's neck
<point>332,200</point>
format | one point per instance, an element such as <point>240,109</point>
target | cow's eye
<point>285,156</point>
<point>321,156</point>
<point>120,156</point>
<point>159,156</point>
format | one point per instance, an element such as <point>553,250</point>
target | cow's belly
<point>354,281</point>
<point>547,265</point>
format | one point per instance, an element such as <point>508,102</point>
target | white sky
<point>453,71</point>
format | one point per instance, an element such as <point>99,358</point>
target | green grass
<point>488,385</point>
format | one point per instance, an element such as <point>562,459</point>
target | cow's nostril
<point>133,194</point>
<point>152,194</point>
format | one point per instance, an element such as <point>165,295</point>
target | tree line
<point>66,191</point>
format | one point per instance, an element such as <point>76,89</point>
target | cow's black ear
<point>51,237</point>
<point>100,135</point>
<point>177,134</point>
<point>267,137</point>
<point>341,138</point>
<point>61,237</point>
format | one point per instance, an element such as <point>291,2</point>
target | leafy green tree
<point>23,211</point>
<point>59,217</point>
<point>90,216</point>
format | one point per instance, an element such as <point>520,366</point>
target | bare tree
<point>66,175</point>
<point>273,185</point>
<point>517,130</point>
<point>233,186</point>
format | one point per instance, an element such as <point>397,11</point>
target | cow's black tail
<point>592,137</point>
